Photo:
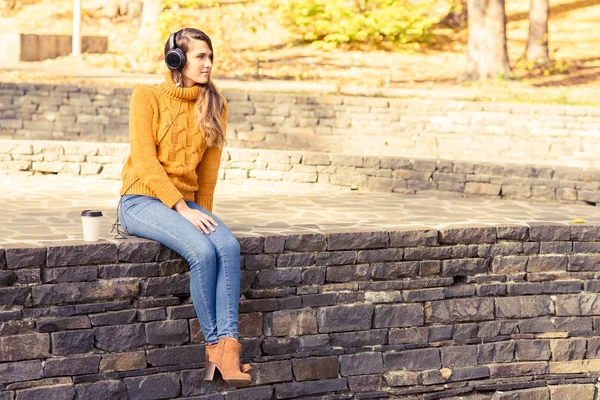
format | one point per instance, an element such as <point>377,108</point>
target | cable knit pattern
<point>169,163</point>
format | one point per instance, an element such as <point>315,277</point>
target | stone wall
<point>373,173</point>
<point>508,311</point>
<point>454,130</point>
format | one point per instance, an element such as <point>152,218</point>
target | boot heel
<point>209,371</point>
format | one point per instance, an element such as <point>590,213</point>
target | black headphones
<point>175,58</point>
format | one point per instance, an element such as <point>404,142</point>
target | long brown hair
<point>210,102</point>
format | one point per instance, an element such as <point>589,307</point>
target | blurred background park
<point>421,44</point>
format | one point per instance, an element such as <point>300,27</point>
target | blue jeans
<point>214,260</point>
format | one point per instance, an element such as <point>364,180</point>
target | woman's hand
<point>200,220</point>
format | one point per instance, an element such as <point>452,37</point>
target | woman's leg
<point>149,218</point>
<point>228,276</point>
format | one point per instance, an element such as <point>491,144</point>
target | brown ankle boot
<point>225,356</point>
<point>211,349</point>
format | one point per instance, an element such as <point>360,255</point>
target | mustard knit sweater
<point>179,166</point>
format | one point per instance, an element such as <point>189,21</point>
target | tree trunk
<point>487,54</point>
<point>148,32</point>
<point>537,41</point>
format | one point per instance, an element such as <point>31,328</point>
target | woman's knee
<point>231,243</point>
<point>201,255</point>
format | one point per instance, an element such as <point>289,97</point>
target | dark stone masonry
<point>482,312</point>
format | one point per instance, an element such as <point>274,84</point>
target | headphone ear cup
<point>175,59</point>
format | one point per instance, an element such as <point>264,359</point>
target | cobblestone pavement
<point>35,209</point>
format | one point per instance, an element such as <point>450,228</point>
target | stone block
<point>67,366</point>
<point>305,242</point>
<point>465,267</point>
<point>50,324</point>
<point>13,296</point>
<point>380,255</point>
<point>113,318</point>
<point>540,393</point>
<point>63,255</point>
<point>315,368</point>
<point>467,235</point>
<point>21,371</point>
<point>123,362</point>
<point>584,262</point>
<point>364,383</point>
<point>413,360</point>
<point>482,189</point>
<point>295,389</point>
<point>70,274</point>
<point>524,306</point>
<point>128,270</point>
<point>568,349</point>
<point>547,263</point>
<point>259,393</point>
<point>459,310</point>
<point>291,323</point>
<point>269,278</point>
<point>344,318</point>
<point>498,352</point>
<point>371,337</point>
<point>138,250</point>
<point>578,305</point>
<point>108,389</point>
<point>356,240</point>
<point>532,350</point>
<point>414,237</point>
<point>85,291</point>
<point>130,336</point>
<point>585,233</point>
<point>549,233</point>
<point>318,300</point>
<point>518,369</point>
<point>327,258</point>
<point>188,354</point>
<point>395,270</point>
<point>361,364</point>
<point>572,392</point>
<point>24,256</point>
<point>273,372</point>
<point>288,260</point>
<point>395,316</point>
<point>422,295</point>
<point>401,378</point>
<point>459,356</point>
<point>57,392</point>
<point>168,285</point>
<point>173,332</point>
<point>159,386</point>
<point>347,273</point>
<point>24,347</point>
<point>73,342</point>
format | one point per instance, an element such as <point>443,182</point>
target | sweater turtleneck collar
<point>179,92</point>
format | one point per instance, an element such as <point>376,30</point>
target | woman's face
<point>199,63</point>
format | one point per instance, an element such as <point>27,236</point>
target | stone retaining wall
<point>456,130</point>
<point>511,181</point>
<point>508,311</point>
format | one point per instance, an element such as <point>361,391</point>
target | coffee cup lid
<point>91,213</point>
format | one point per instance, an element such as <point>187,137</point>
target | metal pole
<point>76,27</point>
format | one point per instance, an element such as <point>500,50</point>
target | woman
<point>177,131</point>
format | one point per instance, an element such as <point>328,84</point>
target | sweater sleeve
<point>208,170</point>
<point>143,149</point>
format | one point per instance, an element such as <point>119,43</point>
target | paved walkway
<point>34,209</point>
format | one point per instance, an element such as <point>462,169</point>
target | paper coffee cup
<point>91,221</point>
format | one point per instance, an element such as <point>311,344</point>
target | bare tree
<point>537,41</point>
<point>149,26</point>
<point>487,52</point>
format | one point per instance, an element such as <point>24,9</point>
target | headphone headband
<point>172,39</point>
